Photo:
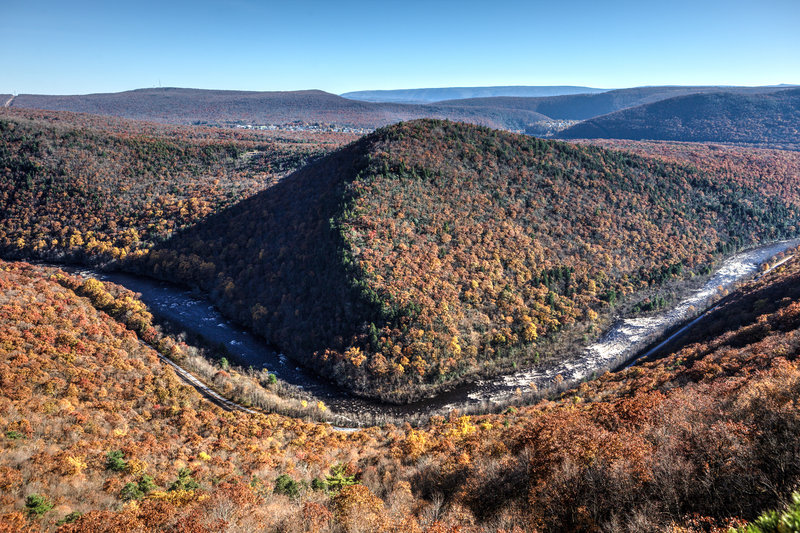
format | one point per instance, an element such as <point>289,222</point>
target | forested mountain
<point>98,435</point>
<point>586,106</point>
<point>428,252</point>
<point>100,188</point>
<point>196,106</point>
<point>423,96</point>
<point>407,262</point>
<point>772,119</point>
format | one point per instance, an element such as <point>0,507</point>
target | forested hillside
<point>696,441</point>
<point>765,119</point>
<point>94,188</point>
<point>431,251</point>
<point>93,423</point>
<point>758,167</point>
<point>449,244</point>
<point>97,435</point>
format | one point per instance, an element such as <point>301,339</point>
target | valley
<point>759,116</point>
<point>643,427</point>
<point>620,346</point>
<point>400,267</point>
<point>318,330</point>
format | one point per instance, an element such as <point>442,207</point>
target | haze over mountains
<point>683,113</point>
<point>585,106</point>
<point>422,96</point>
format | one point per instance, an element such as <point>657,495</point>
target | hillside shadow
<point>273,262</point>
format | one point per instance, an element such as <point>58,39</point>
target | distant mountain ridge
<point>430,95</point>
<point>203,106</point>
<point>772,119</point>
<point>538,116</point>
<point>586,106</point>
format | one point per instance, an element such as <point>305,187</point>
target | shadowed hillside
<point>430,251</point>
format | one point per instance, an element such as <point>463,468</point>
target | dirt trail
<point>8,102</point>
<point>208,393</point>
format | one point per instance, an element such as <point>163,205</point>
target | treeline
<point>774,172</point>
<point>431,251</point>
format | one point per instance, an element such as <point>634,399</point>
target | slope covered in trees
<point>760,168</point>
<point>97,435</point>
<point>91,420</point>
<point>92,187</point>
<point>430,251</point>
<point>707,434</point>
<point>769,119</point>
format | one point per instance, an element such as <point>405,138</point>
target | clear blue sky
<point>65,47</point>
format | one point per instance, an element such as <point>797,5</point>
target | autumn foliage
<point>704,438</point>
<point>96,189</point>
<point>419,256</point>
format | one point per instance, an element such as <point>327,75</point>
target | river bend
<point>620,345</point>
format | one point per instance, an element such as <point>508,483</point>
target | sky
<point>78,47</point>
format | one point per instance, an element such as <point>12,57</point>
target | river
<point>622,344</point>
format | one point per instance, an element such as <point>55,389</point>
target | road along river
<point>620,345</point>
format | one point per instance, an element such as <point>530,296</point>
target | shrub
<point>115,460</point>
<point>775,522</point>
<point>131,492</point>
<point>286,485</point>
<point>137,491</point>
<point>37,505</point>
<point>184,481</point>
<point>146,484</point>
<point>338,480</point>
<point>70,518</point>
